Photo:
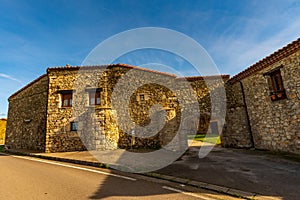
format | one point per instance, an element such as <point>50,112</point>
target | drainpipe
<point>247,115</point>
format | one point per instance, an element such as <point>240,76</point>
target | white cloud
<point>10,77</point>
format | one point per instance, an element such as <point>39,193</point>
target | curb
<point>67,160</point>
<point>203,185</point>
<point>184,181</point>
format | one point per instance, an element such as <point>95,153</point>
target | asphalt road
<point>29,178</point>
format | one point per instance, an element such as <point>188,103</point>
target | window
<point>94,98</point>
<point>74,126</point>
<point>275,83</point>
<point>66,97</point>
<point>142,97</point>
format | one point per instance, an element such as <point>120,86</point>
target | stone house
<point>263,109</point>
<point>74,108</point>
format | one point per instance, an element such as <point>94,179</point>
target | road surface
<point>30,178</point>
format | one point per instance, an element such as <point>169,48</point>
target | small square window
<point>142,97</point>
<point>74,126</point>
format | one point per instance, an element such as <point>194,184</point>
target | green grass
<point>206,138</point>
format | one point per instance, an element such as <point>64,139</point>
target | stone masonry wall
<point>135,129</point>
<point>130,104</point>
<point>97,128</point>
<point>26,123</point>
<point>125,109</point>
<point>236,131</point>
<point>210,92</point>
<point>274,124</point>
<point>97,125</point>
<point>163,92</point>
<point>59,136</point>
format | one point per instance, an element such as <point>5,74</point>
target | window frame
<point>142,97</point>
<point>275,83</point>
<point>73,126</point>
<point>66,95</point>
<point>95,94</point>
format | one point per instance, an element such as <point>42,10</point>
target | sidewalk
<point>247,173</point>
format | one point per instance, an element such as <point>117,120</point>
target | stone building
<point>109,107</point>
<point>106,107</point>
<point>263,109</point>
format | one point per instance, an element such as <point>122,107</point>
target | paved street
<point>252,172</point>
<point>265,173</point>
<point>30,178</point>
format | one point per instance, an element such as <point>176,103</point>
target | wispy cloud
<point>10,77</point>
<point>236,50</point>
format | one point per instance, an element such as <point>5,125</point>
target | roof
<point>267,61</point>
<point>189,78</point>
<point>109,67</point>
<point>196,78</point>
<point>28,85</point>
<point>68,67</point>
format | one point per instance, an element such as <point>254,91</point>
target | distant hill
<point>2,130</point>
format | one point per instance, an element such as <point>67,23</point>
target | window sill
<point>66,107</point>
<point>276,97</point>
<point>98,107</point>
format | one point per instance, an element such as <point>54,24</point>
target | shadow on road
<point>252,171</point>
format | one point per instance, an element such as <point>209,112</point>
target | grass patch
<point>1,148</point>
<point>206,138</point>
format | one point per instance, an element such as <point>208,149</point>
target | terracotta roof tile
<point>108,67</point>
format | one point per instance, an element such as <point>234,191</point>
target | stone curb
<point>198,184</point>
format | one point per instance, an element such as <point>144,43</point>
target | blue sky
<point>40,34</point>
